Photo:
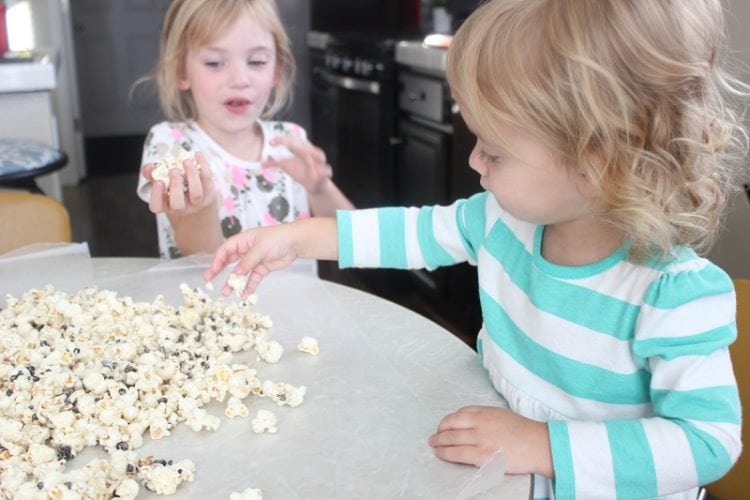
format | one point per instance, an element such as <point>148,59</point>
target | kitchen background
<point>380,108</point>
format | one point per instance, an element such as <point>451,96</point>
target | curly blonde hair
<point>195,23</point>
<point>631,93</point>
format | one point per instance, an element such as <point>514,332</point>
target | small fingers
<point>225,254</point>
<point>156,203</point>
<point>460,437</point>
<point>195,191</point>
<point>460,419</point>
<point>460,454</point>
<point>176,195</point>
<point>147,170</point>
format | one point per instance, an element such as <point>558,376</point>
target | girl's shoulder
<point>274,128</point>
<point>173,132</point>
<point>686,277</point>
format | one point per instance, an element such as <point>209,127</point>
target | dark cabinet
<point>422,173</point>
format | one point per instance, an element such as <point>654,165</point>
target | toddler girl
<point>606,150</point>
<point>224,68</point>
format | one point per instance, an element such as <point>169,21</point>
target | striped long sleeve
<point>627,363</point>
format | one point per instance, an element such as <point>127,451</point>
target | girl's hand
<point>474,433</point>
<point>189,192</point>
<point>259,251</point>
<point>308,166</point>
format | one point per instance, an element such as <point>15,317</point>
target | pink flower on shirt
<point>269,220</point>
<point>177,134</point>
<point>238,175</point>
<point>271,174</point>
<point>228,205</point>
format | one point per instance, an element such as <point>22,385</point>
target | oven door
<point>361,143</point>
<point>423,165</point>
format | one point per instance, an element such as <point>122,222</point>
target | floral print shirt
<point>250,195</point>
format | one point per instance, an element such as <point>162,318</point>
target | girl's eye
<point>257,62</point>
<point>488,158</point>
<point>212,64</point>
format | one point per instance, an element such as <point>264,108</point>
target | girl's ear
<point>585,186</point>
<point>276,75</point>
<point>183,83</point>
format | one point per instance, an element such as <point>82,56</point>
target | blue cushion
<point>22,158</point>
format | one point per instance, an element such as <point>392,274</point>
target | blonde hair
<point>631,93</point>
<point>195,23</point>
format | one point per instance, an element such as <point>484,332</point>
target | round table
<point>384,378</point>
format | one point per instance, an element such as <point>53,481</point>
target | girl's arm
<point>262,250</point>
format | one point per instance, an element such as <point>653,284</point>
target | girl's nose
<point>475,161</point>
<point>239,76</point>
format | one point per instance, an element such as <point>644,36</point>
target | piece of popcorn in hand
<point>309,345</point>
<point>162,167</point>
<point>248,494</point>
<point>238,283</point>
<point>265,421</point>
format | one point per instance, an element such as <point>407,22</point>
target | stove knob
<point>367,68</point>
<point>347,65</point>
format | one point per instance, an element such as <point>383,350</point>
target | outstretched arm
<point>262,250</point>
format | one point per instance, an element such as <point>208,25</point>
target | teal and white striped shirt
<point>627,363</point>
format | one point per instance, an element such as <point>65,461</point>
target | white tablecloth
<point>384,378</point>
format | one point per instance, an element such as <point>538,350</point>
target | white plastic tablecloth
<point>384,378</point>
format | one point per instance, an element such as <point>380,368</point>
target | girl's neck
<point>246,145</point>
<point>580,243</point>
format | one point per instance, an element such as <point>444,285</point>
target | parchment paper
<point>370,407</point>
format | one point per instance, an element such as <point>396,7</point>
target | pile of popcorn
<point>97,369</point>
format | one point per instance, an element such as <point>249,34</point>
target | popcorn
<point>127,489</point>
<point>163,477</point>
<point>92,368</point>
<point>235,408</point>
<point>308,345</point>
<point>268,351</point>
<point>238,284</point>
<point>264,421</point>
<point>163,167</point>
<point>284,394</point>
<point>248,494</point>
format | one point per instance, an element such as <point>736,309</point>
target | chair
<point>27,218</point>
<point>736,484</point>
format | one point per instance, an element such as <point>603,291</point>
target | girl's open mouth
<point>237,105</point>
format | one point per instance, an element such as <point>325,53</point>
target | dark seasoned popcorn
<point>97,369</point>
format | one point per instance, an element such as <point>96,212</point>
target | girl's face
<point>231,78</point>
<point>528,182</point>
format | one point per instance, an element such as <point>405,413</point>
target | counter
<point>422,57</point>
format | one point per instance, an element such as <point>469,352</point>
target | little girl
<point>224,67</point>
<point>606,150</point>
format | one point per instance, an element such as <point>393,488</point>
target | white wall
<point>732,251</point>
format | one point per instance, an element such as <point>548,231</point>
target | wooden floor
<point>107,214</point>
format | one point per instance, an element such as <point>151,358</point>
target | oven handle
<point>349,83</point>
